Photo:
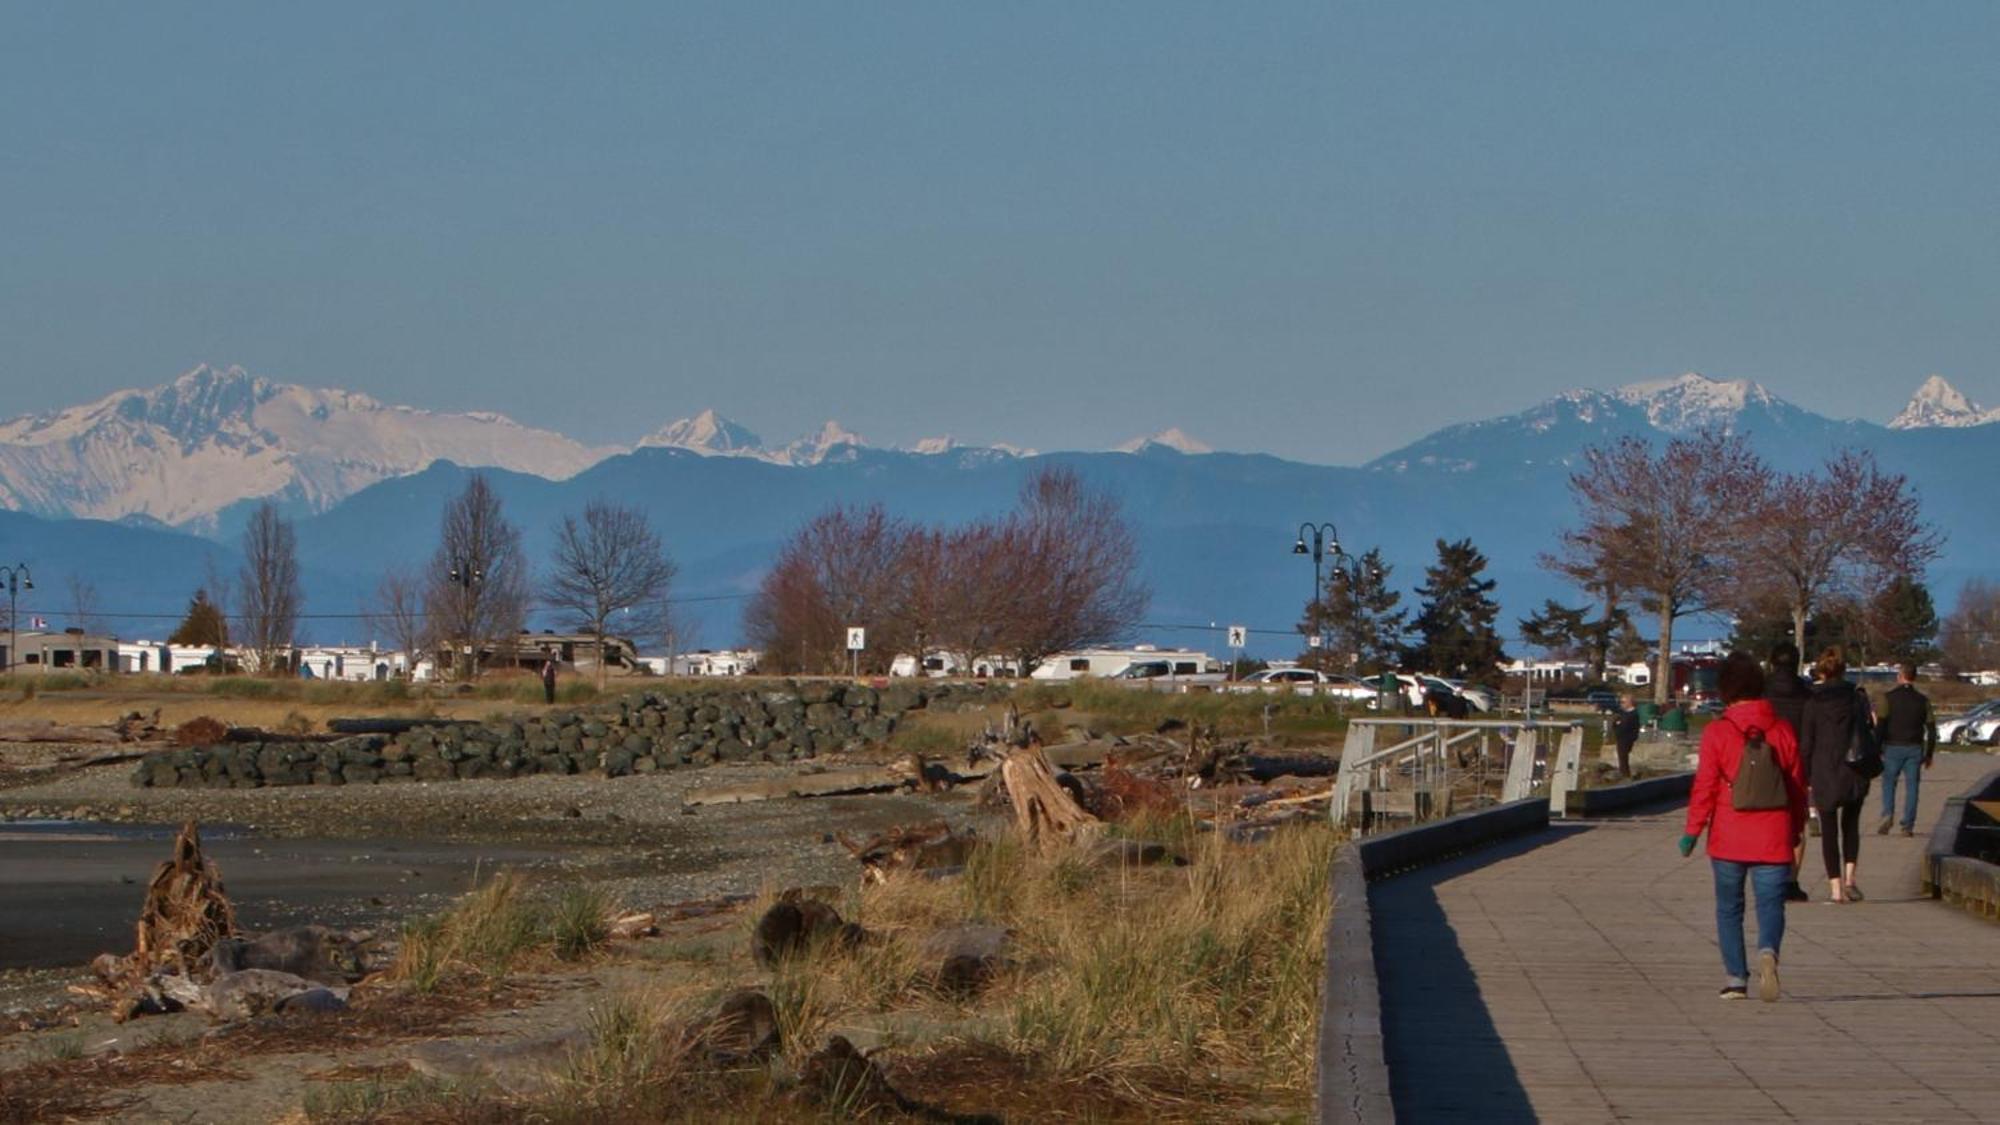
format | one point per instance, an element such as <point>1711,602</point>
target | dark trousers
<point>549,689</point>
<point>1840,835</point>
<point>1625,756</point>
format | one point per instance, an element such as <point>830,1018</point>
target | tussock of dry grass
<point>495,928</point>
<point>1131,978</point>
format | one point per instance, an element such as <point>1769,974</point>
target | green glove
<point>1687,845</point>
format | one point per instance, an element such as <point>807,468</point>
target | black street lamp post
<point>17,577</point>
<point>467,577</point>
<point>1323,536</point>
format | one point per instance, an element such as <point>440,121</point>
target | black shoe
<point>1734,992</point>
<point>1882,826</point>
<point>1796,893</point>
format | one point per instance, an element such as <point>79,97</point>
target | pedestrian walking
<point>1625,732</point>
<point>1837,712</point>
<point>549,680</point>
<point>1909,741</point>
<point>1749,794</point>
<point>1787,692</point>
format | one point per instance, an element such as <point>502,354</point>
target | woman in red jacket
<point>1745,846</point>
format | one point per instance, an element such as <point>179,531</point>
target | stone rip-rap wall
<point>632,735</point>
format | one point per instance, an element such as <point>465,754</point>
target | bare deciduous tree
<point>1970,636</point>
<point>610,570</point>
<point>844,567</point>
<point>978,575</point>
<point>397,613</point>
<point>269,585</point>
<point>1059,572</point>
<point>1081,586</point>
<point>1840,535</point>
<point>476,591</point>
<point>83,604</point>
<point>1663,529</point>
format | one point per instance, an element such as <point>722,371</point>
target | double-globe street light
<point>17,577</point>
<point>1323,536</point>
<point>1322,542</point>
<point>467,577</point>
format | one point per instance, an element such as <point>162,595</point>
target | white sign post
<point>857,640</point>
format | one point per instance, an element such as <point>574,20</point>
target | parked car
<point>1981,725</point>
<point>1479,697</point>
<point>1177,670</point>
<point>1310,681</point>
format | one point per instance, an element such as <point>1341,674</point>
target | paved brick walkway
<point>1572,977</point>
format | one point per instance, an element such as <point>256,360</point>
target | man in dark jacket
<point>1787,693</point>
<point>1908,737</point>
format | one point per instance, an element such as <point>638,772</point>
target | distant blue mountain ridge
<point>1215,530</point>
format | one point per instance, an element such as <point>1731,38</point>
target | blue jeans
<point>1769,880</point>
<point>1897,762</point>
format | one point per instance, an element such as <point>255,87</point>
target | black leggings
<point>1840,835</point>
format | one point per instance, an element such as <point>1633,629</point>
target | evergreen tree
<point>1358,613</point>
<point>1570,633</point>
<point>204,624</point>
<point>1455,624</point>
<point>1903,623</point>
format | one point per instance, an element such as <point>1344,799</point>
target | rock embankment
<point>637,734</point>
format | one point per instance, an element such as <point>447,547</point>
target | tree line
<point>1366,630</point>
<point>1702,524</point>
<point>608,575</point>
<point>1059,571</point>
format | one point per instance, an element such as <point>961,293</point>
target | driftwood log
<point>185,914</point>
<point>908,847</point>
<point>1044,811</point>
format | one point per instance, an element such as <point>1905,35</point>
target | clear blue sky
<point>1315,229</point>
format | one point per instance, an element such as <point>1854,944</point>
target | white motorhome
<point>941,663</point>
<point>1142,662</point>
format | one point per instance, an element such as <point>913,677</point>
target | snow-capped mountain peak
<point>182,452</point>
<point>1939,404</point>
<point>1692,401</point>
<point>832,442</point>
<point>1173,438</point>
<point>707,433</point>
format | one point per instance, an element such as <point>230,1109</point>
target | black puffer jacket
<point>1788,694</point>
<point>1829,721</point>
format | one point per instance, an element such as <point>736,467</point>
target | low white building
<point>40,651</point>
<point>1546,671</point>
<point>350,662</point>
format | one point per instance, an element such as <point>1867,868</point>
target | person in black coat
<point>1836,791</point>
<point>1625,732</point>
<point>1787,693</point>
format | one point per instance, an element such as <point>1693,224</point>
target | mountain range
<point>366,482</point>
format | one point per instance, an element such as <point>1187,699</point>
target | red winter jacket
<point>1746,837</point>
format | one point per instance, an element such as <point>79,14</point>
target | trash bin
<point>1674,721</point>
<point>1648,711</point>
